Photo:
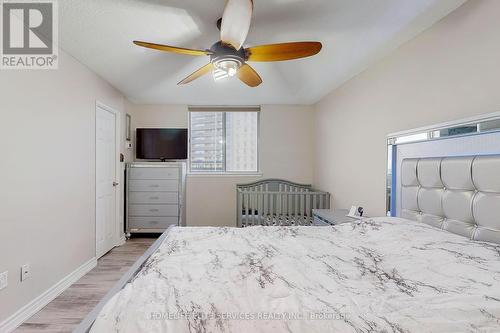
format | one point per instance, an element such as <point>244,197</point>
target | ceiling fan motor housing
<point>225,56</point>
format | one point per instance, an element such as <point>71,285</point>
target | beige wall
<point>47,175</point>
<point>286,141</point>
<point>449,72</point>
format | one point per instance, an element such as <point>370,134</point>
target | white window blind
<point>224,141</point>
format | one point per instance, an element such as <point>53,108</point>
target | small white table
<point>324,217</point>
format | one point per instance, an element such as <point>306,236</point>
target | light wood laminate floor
<point>65,312</point>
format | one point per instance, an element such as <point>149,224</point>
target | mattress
<point>374,275</point>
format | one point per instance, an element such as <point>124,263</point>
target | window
<point>224,142</point>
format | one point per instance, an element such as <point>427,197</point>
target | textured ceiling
<point>354,33</point>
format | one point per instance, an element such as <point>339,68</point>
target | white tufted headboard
<point>457,194</point>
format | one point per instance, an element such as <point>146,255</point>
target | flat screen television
<point>162,143</point>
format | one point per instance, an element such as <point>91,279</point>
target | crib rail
<point>292,206</point>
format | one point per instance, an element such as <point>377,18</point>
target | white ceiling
<point>354,33</point>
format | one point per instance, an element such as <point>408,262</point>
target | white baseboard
<point>23,314</point>
<point>121,240</point>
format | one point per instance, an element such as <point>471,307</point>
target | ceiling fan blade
<point>174,49</point>
<point>199,73</point>
<point>283,51</point>
<point>249,76</point>
<point>236,22</point>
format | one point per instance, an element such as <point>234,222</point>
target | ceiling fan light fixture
<point>232,71</point>
<point>228,65</point>
<point>219,74</point>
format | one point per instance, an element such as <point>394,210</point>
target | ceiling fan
<point>229,57</point>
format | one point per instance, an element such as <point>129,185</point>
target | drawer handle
<point>154,185</point>
<point>153,210</point>
<point>154,222</point>
<point>154,198</point>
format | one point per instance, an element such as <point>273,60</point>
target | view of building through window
<point>224,141</point>
<point>207,141</point>
<point>241,141</point>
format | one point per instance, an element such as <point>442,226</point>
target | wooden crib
<point>278,202</point>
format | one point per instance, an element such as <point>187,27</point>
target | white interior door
<point>105,180</point>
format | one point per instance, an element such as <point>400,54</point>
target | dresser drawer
<point>151,222</point>
<point>145,185</point>
<point>154,173</point>
<point>153,198</point>
<point>153,210</point>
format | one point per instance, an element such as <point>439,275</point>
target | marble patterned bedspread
<point>377,275</point>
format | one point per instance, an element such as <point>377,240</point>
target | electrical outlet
<point>4,280</point>
<point>25,272</point>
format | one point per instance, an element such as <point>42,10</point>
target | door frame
<point>118,235</point>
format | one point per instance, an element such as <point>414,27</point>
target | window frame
<point>257,172</point>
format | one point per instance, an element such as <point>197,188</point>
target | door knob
<point>116,184</point>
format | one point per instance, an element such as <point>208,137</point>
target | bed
<point>375,275</point>
<point>435,270</point>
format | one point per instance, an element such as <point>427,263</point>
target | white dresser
<point>155,196</point>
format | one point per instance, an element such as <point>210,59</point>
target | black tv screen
<point>162,143</point>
